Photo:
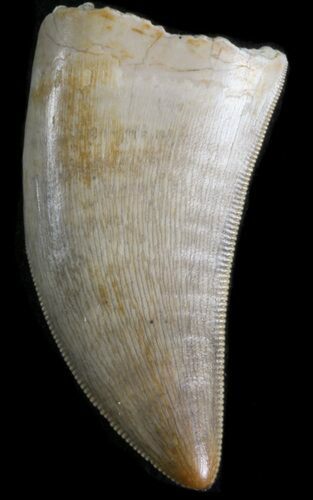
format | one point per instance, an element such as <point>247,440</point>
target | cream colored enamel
<point>135,143</point>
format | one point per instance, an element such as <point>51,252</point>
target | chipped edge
<point>265,51</point>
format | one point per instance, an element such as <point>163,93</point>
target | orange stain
<point>137,30</point>
<point>196,42</point>
<point>105,13</point>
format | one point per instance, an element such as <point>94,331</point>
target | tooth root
<point>139,147</point>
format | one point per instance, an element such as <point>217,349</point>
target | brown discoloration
<point>137,30</point>
<point>118,297</point>
<point>143,30</point>
<point>192,476</point>
<point>111,295</point>
<point>74,122</point>
<point>146,26</point>
<point>115,140</point>
<point>109,27</point>
<point>46,85</point>
<point>103,294</point>
<point>196,42</point>
<point>78,148</point>
<point>105,13</point>
<point>158,35</point>
<point>124,54</point>
<point>41,91</point>
<point>150,359</point>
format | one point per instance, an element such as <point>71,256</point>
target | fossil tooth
<point>139,146</point>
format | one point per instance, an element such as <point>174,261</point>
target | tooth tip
<point>199,476</point>
<point>194,466</point>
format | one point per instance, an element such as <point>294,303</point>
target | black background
<point>58,441</point>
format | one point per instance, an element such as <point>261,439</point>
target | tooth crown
<point>139,146</point>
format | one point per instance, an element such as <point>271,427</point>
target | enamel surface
<point>137,144</point>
